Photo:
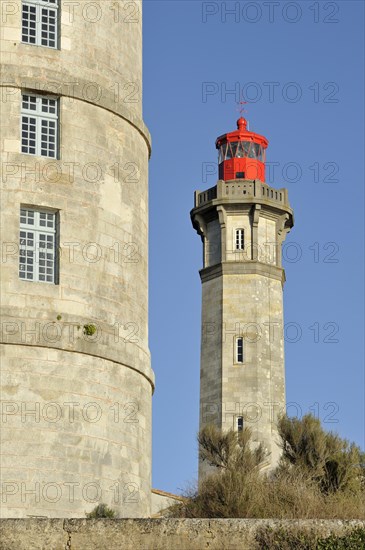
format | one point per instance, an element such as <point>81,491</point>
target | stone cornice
<point>238,204</point>
<point>243,268</point>
<point>146,372</point>
<point>52,83</point>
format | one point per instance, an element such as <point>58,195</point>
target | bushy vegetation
<point>320,475</point>
<point>301,539</point>
<point>323,457</point>
<point>101,511</point>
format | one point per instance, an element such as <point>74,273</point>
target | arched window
<point>240,239</point>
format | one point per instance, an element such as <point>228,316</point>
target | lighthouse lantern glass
<point>234,148</point>
<point>241,149</point>
<point>254,151</point>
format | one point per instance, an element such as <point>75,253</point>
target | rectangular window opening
<point>240,239</point>
<point>38,237</point>
<point>39,125</point>
<point>239,350</point>
<point>40,21</point>
<point>239,423</point>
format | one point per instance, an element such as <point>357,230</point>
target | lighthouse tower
<point>243,223</point>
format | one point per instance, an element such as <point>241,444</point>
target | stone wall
<point>151,534</point>
<point>76,426</point>
<point>160,501</point>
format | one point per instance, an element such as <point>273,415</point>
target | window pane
<point>38,246</point>
<point>224,151</point>
<point>26,254</point>
<point>27,216</point>
<point>240,153</point>
<point>246,148</point>
<point>28,135</point>
<point>228,152</point>
<point>29,17</point>
<point>239,344</point>
<point>29,102</point>
<point>48,138</point>
<point>48,27</point>
<point>51,220</point>
<point>254,151</point>
<point>240,239</point>
<point>234,148</point>
<point>39,22</point>
<point>49,105</point>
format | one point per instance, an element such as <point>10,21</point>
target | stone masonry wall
<point>155,534</point>
<point>76,423</point>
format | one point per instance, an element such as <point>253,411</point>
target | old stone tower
<point>243,223</point>
<point>76,381</point>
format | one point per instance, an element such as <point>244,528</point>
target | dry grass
<point>230,495</point>
<point>320,476</point>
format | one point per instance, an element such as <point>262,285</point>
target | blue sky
<point>300,67</point>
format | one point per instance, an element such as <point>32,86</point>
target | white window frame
<point>239,350</point>
<point>240,239</point>
<point>41,9</point>
<point>32,236</point>
<point>35,120</point>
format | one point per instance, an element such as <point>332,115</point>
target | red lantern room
<point>241,154</point>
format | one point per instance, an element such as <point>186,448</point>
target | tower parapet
<point>243,191</point>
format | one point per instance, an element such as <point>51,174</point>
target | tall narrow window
<point>240,239</point>
<point>37,245</point>
<point>40,22</point>
<point>239,423</point>
<point>39,125</point>
<point>239,350</point>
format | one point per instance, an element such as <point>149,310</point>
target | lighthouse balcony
<point>242,191</point>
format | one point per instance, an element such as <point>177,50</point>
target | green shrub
<point>269,538</point>
<point>89,330</point>
<point>332,462</point>
<point>101,511</point>
<point>353,540</point>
